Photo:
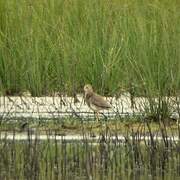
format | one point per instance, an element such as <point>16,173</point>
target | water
<point>78,137</point>
<point>58,107</point>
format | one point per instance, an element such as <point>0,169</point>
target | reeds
<point>48,46</point>
<point>105,158</point>
<point>51,45</point>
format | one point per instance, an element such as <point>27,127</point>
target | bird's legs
<point>97,116</point>
<point>97,119</point>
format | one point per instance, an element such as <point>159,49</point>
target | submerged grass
<point>51,45</point>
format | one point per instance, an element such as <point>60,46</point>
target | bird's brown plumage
<point>95,101</point>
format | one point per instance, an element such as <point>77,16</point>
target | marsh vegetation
<point>103,159</point>
<point>59,45</point>
<point>54,47</point>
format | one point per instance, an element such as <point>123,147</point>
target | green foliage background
<point>59,45</point>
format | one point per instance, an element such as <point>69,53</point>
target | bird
<point>95,101</point>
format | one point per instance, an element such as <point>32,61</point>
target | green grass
<point>59,45</point>
<point>104,159</point>
<point>81,160</point>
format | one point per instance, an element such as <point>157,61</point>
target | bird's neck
<point>88,95</point>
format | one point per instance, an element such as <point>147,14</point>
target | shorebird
<point>95,101</point>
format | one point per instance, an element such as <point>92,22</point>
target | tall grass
<point>53,159</point>
<point>58,45</point>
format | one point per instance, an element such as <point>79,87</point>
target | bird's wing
<point>99,101</point>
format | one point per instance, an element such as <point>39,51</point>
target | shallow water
<point>78,137</point>
<point>58,107</point>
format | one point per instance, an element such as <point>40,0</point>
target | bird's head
<point>88,88</point>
